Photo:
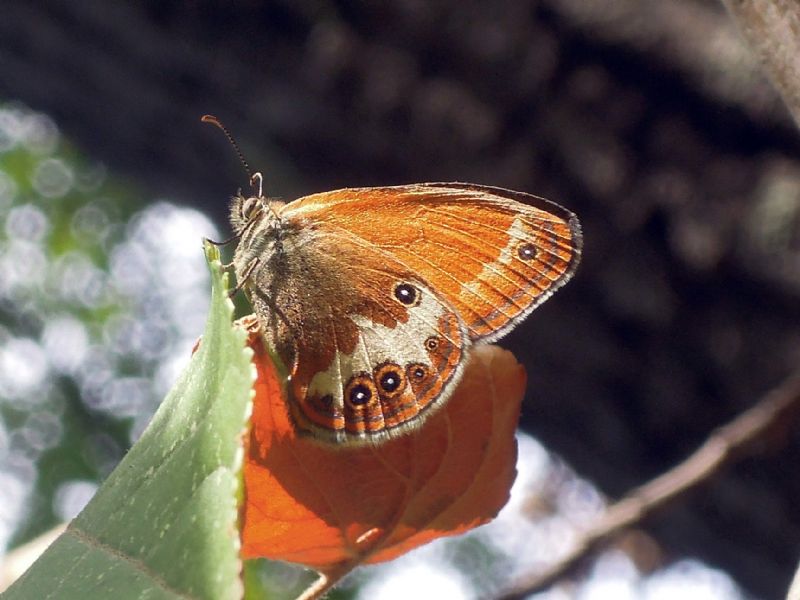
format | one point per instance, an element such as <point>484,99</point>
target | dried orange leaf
<point>328,508</point>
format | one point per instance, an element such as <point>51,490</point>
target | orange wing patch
<point>493,254</point>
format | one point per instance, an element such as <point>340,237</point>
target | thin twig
<point>326,581</point>
<point>774,411</point>
<point>316,589</point>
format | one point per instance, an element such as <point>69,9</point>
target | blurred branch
<point>772,414</point>
<point>694,37</point>
<point>772,28</point>
<point>326,581</point>
<point>317,589</point>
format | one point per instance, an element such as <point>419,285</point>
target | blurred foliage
<point>163,525</point>
<point>79,368</point>
<point>61,216</point>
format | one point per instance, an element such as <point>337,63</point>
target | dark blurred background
<point>649,119</point>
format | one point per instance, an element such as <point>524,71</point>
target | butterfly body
<point>372,297</point>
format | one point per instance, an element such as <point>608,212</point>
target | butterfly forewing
<point>493,254</point>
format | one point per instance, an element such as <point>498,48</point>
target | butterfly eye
<point>249,207</point>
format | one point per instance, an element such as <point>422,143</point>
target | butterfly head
<point>249,211</point>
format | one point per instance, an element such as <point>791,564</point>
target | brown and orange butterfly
<point>371,298</point>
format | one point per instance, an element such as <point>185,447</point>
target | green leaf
<point>164,524</point>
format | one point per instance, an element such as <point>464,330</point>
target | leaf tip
<point>211,251</point>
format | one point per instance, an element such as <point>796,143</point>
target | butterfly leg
<point>245,276</point>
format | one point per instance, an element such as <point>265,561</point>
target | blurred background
<point>649,119</point>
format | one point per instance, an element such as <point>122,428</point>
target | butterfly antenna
<point>215,121</point>
<point>253,176</point>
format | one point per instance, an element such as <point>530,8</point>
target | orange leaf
<point>331,508</point>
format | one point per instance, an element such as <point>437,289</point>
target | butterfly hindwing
<point>366,354</point>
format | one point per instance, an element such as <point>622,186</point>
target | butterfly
<point>371,298</point>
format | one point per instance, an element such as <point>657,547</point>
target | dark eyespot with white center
<point>417,371</point>
<point>359,394</point>
<point>407,294</point>
<point>526,251</point>
<point>390,381</point>
<point>432,343</point>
